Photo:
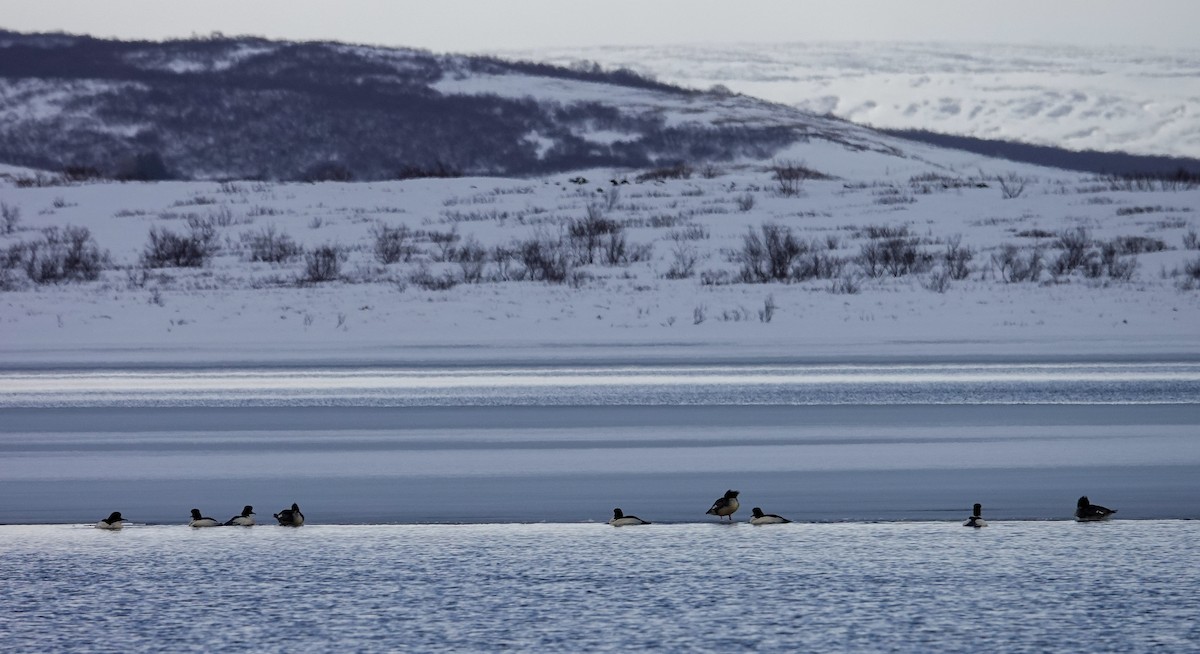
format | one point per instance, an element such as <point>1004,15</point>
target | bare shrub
<point>503,257</point>
<point>425,279</point>
<point>1192,269</point>
<point>745,202</point>
<point>391,243</point>
<point>545,259</point>
<point>699,314</point>
<point>1191,240</point>
<point>1012,185</point>
<point>270,245</point>
<point>847,284</point>
<point>766,313</point>
<point>817,263</point>
<point>10,216</point>
<point>1075,244</point>
<point>768,257</point>
<point>677,171</point>
<point>893,256</point>
<point>444,242</point>
<point>167,249</point>
<point>957,258</point>
<point>589,234</point>
<point>789,175</point>
<point>1016,265</point>
<point>323,264</point>
<point>65,255</point>
<point>683,263</point>
<point>471,258</point>
<point>938,280</point>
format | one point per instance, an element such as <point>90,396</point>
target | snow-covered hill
<point>1142,101</point>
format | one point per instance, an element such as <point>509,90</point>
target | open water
<point>1122,586</point>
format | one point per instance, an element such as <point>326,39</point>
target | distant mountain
<point>247,108</point>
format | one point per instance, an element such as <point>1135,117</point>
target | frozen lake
<point>568,443</point>
<point>1123,586</point>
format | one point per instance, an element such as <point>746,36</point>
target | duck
<point>1085,511</point>
<point>202,521</point>
<point>290,517</point>
<point>619,519</point>
<point>113,521</point>
<point>976,520</point>
<point>244,520</point>
<point>725,506</point>
<point>760,518</point>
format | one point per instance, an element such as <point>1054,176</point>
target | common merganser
<point>202,521</point>
<point>113,521</point>
<point>1085,511</point>
<point>760,518</point>
<point>725,506</point>
<point>976,520</point>
<point>290,517</point>
<point>619,519</point>
<point>244,520</point>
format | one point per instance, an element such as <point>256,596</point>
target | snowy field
<point>1125,586</point>
<point>1139,100</point>
<point>672,287</point>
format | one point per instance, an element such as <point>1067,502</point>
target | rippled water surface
<point>1124,586</point>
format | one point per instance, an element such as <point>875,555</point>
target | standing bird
<point>619,519</point>
<point>113,521</point>
<point>244,520</point>
<point>725,506</point>
<point>760,518</point>
<point>1085,511</point>
<point>976,520</point>
<point>290,517</point>
<point>202,521</point>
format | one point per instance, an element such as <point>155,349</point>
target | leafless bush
<point>391,243</point>
<point>323,264</point>
<point>938,280</point>
<point>270,245</point>
<point>69,254</point>
<point>1075,245</point>
<point>1016,265</point>
<point>817,263</point>
<point>847,284</point>
<point>766,313</point>
<point>1192,269</point>
<point>1011,185</point>
<point>425,279</point>
<point>957,258</point>
<point>503,257</point>
<point>166,249</point>
<point>699,314</point>
<point>589,234</point>
<point>545,259</point>
<point>11,217</point>
<point>789,175</point>
<point>768,257</point>
<point>677,171</point>
<point>471,258</point>
<point>745,202</point>
<point>1191,240</point>
<point>894,256</point>
<point>684,258</point>
<point>444,241</point>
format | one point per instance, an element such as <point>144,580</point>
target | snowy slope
<point>1144,101</point>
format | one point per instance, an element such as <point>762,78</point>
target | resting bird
<point>290,517</point>
<point>1085,511</point>
<point>725,506</point>
<point>244,520</point>
<point>113,521</point>
<point>202,521</point>
<point>760,518</point>
<point>619,519</point>
<point>976,519</point>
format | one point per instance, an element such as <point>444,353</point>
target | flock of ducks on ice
<point>724,507</point>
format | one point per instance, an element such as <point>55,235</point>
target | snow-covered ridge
<point>1137,100</point>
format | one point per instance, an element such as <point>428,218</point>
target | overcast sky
<point>475,25</point>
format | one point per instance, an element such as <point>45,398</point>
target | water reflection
<point>1102,383</point>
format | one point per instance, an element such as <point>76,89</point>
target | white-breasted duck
<point>725,506</point>
<point>976,520</point>
<point>1085,511</point>
<point>113,521</point>
<point>760,518</point>
<point>619,519</point>
<point>202,521</point>
<point>290,517</point>
<point>244,520</point>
